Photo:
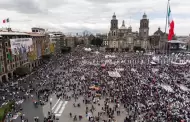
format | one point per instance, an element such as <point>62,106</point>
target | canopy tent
<point>133,70</point>
<point>114,74</point>
<point>97,52</point>
<point>82,77</point>
<point>154,58</point>
<point>152,62</point>
<point>176,63</point>
<point>167,87</point>
<point>150,53</point>
<point>119,69</point>
<point>108,61</point>
<point>155,70</point>
<point>87,49</point>
<point>109,56</point>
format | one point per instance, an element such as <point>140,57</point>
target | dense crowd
<point>147,92</point>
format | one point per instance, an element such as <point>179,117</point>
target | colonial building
<point>39,45</point>
<point>38,30</point>
<point>11,61</point>
<point>144,32</point>
<point>157,40</point>
<point>124,39</point>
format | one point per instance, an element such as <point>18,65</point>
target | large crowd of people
<point>148,92</point>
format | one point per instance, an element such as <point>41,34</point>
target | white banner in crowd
<point>114,74</point>
<point>119,69</point>
<point>181,63</point>
<point>87,49</point>
<point>110,56</point>
<point>21,45</point>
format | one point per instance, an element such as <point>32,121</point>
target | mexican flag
<point>171,24</point>
<point>6,20</point>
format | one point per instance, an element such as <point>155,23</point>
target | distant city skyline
<point>92,15</point>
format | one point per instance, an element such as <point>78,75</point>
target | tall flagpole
<point>166,25</point>
<point>166,17</point>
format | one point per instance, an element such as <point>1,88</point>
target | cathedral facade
<point>124,39</point>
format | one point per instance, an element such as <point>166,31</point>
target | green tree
<point>97,41</point>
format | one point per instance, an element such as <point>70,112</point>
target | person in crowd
<point>145,91</point>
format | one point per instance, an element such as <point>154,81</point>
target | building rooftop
<point>12,33</point>
<point>159,32</point>
<point>35,34</point>
<point>38,28</point>
<point>123,26</point>
<point>177,41</point>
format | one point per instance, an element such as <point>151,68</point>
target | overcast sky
<point>92,15</point>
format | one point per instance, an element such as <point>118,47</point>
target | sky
<point>74,16</point>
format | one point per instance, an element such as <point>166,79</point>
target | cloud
<point>93,15</point>
<point>22,6</point>
<point>111,1</point>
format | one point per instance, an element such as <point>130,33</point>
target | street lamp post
<point>51,105</point>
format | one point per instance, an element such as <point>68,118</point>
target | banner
<point>21,45</point>
<point>52,48</point>
<point>39,50</point>
<point>45,48</point>
<point>32,54</point>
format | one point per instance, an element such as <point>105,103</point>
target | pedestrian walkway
<point>57,108</point>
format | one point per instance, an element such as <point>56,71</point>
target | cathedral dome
<point>123,26</point>
<point>114,16</point>
<point>144,16</point>
<point>159,32</point>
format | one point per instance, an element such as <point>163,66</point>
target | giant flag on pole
<point>171,24</point>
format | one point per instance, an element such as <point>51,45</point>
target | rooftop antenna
<point>130,21</point>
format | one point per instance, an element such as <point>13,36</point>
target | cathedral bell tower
<point>114,23</point>
<point>144,27</point>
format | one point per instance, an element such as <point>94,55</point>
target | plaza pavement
<point>30,111</point>
<point>66,107</point>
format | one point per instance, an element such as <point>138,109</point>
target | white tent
<point>133,70</point>
<point>109,56</point>
<point>114,74</point>
<point>87,49</point>
<point>167,87</point>
<point>154,58</point>
<point>182,63</point>
<point>97,52</point>
<point>184,88</point>
<point>153,62</point>
<point>119,69</point>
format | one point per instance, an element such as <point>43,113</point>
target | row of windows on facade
<point>14,58</point>
<point>144,25</point>
<point>14,37</point>
<point>38,30</point>
<point>114,43</point>
<point>11,66</point>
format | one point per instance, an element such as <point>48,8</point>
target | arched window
<point>114,33</point>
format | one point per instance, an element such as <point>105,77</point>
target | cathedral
<point>124,39</point>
